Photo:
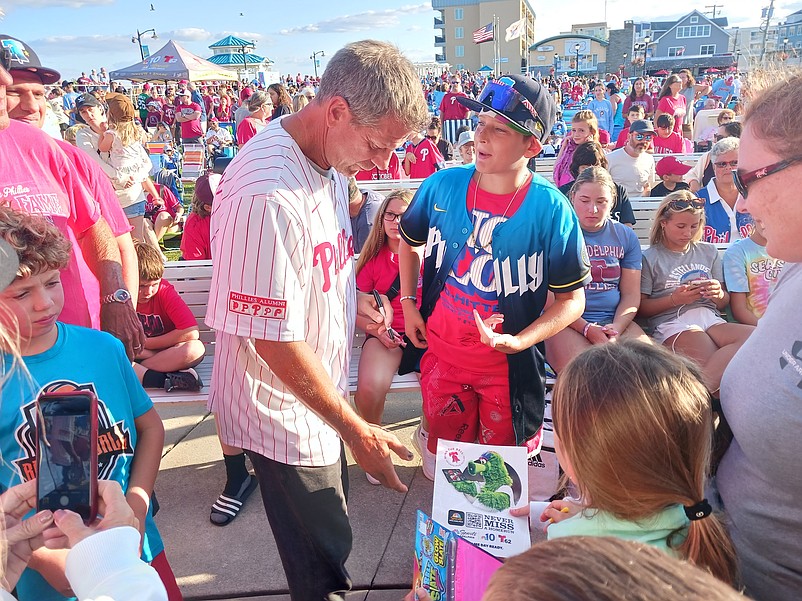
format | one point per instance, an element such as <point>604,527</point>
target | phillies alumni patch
<point>257,306</point>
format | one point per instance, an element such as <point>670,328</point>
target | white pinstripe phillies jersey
<point>283,271</point>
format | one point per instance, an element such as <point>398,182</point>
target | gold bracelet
<point>671,296</point>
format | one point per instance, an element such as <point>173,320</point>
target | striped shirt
<point>283,271</point>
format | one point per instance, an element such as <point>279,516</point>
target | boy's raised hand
<point>505,343</point>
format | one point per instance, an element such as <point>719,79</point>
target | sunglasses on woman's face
<point>742,181</point>
<point>695,204</point>
<point>723,164</point>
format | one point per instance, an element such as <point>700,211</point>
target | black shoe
<point>186,379</point>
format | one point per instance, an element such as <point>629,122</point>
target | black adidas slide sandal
<point>227,507</point>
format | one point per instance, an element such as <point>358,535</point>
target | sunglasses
<point>505,99</point>
<point>641,137</point>
<point>390,216</point>
<point>742,181</point>
<point>723,164</point>
<point>695,204</point>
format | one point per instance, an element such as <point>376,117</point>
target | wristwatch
<point>118,296</point>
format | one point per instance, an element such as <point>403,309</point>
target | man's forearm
<point>102,255</point>
<point>297,366</point>
<point>130,265</point>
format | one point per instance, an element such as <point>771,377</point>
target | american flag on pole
<point>483,34</point>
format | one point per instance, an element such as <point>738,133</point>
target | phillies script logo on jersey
<point>113,438</point>
<point>257,306</point>
<point>424,152</point>
<point>333,257</point>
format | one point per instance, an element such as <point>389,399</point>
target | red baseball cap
<point>671,166</point>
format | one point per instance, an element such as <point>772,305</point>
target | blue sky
<point>79,35</point>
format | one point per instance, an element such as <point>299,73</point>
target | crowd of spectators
<point>430,290</point>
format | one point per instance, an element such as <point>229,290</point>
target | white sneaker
<point>419,440</point>
<point>372,480</point>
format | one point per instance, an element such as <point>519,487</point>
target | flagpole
<point>496,63</point>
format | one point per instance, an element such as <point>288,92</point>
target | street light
<point>784,55</point>
<point>624,62</point>
<point>577,47</point>
<point>646,41</point>
<point>137,39</point>
<point>314,59</point>
<point>556,62</point>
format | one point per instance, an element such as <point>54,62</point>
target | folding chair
<point>193,162</point>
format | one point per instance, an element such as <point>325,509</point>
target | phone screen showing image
<point>67,454</point>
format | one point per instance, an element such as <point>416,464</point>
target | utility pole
<point>714,6</point>
<point>766,15</point>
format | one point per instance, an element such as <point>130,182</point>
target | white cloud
<point>187,34</point>
<point>71,44</point>
<point>365,21</point>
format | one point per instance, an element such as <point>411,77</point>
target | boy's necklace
<point>472,240</point>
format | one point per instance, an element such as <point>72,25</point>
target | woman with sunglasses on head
<point>672,102</point>
<point>681,289</point>
<point>758,479</point>
<point>613,296</point>
<point>724,223</point>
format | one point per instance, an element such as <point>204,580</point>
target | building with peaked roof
<point>237,54</point>
<point>694,42</point>
<point>459,19</point>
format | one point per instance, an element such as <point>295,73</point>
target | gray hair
<point>376,81</point>
<point>257,100</point>
<point>723,147</point>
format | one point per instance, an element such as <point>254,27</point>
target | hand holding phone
<point>66,452</point>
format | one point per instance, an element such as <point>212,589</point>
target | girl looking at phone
<point>682,291</point>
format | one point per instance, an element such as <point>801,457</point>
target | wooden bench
<point>192,280</point>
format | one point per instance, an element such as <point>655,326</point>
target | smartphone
<point>66,452</point>
<point>697,283</point>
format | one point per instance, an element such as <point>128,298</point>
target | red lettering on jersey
<point>332,258</point>
<point>257,306</point>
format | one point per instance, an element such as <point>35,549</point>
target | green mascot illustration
<point>493,470</point>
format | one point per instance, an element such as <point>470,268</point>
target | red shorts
<point>162,567</point>
<point>465,406</point>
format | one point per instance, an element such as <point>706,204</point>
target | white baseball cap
<point>9,264</point>
<point>465,137</point>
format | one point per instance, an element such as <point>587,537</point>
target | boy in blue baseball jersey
<point>494,239</point>
<point>61,357</point>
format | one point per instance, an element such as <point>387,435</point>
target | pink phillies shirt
<point>36,177</point>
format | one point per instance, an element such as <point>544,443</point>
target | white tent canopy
<point>173,63</point>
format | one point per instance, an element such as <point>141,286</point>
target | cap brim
<point>9,264</point>
<point>48,76</point>
<point>477,106</point>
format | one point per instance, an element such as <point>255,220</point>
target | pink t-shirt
<point>39,179</point>
<point>248,129</point>
<point>190,129</point>
<point>428,158</point>
<point>451,109</point>
<point>164,312</point>
<point>671,144</point>
<point>378,274</point>
<point>195,243</point>
<point>451,328</point>
<point>675,107</point>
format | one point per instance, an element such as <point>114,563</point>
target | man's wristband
<point>587,327</point>
<point>412,298</point>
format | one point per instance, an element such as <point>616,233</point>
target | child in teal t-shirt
<point>61,357</point>
<point>750,275</point>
